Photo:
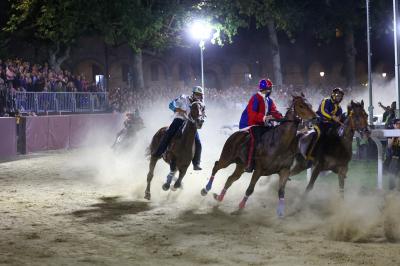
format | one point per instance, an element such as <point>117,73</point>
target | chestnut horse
<point>274,154</point>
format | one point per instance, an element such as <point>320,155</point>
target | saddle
<point>172,144</point>
<point>307,142</point>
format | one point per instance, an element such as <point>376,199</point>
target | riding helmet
<point>198,89</point>
<point>265,84</point>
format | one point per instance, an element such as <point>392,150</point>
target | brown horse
<point>180,151</point>
<point>333,151</point>
<point>274,154</point>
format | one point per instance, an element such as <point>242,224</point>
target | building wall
<point>224,67</point>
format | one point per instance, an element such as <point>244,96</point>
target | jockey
<point>329,112</point>
<point>132,122</point>
<point>259,110</point>
<point>181,108</point>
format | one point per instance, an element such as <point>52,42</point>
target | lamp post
<point>396,52</point>
<point>201,31</point>
<point>371,106</point>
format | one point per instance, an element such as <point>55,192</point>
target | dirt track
<point>57,209</point>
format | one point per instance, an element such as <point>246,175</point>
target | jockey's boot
<point>197,167</point>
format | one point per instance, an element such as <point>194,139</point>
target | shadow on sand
<point>111,209</point>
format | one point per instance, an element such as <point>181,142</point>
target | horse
<point>274,154</point>
<point>333,151</point>
<point>180,151</point>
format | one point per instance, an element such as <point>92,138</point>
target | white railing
<point>60,101</point>
<point>377,135</point>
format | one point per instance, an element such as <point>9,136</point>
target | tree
<point>143,25</point>
<point>349,19</point>
<point>274,15</point>
<point>56,24</point>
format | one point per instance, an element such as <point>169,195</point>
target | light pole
<point>201,31</point>
<point>396,52</point>
<point>202,47</point>
<point>371,106</point>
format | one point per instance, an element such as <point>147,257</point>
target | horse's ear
<point>362,103</point>
<point>349,108</point>
<point>352,103</point>
<point>302,95</point>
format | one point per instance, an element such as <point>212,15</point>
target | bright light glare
<point>384,75</point>
<point>200,30</point>
<point>322,73</point>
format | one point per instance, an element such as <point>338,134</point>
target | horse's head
<point>302,108</point>
<point>197,114</point>
<point>357,117</point>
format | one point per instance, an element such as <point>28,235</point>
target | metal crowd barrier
<point>76,102</point>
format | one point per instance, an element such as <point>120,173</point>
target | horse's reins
<point>189,117</point>
<point>283,120</point>
<point>351,122</point>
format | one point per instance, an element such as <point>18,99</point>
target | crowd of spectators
<point>124,99</point>
<point>21,76</point>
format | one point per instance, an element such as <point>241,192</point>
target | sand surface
<point>86,207</point>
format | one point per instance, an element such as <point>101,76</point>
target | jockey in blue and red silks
<point>259,110</point>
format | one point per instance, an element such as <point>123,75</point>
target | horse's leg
<point>314,175</point>
<point>283,177</point>
<point>182,173</point>
<point>170,176</point>
<point>299,166</point>
<point>342,175</point>
<point>218,165</point>
<point>150,174</point>
<point>250,189</point>
<point>232,178</point>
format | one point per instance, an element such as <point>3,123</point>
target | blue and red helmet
<point>265,84</point>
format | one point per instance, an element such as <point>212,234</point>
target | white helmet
<point>198,89</point>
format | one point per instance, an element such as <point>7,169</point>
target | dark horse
<point>333,151</point>
<point>181,149</point>
<point>274,154</point>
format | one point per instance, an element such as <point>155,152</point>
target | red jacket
<point>256,110</point>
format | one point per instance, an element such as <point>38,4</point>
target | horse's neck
<point>348,134</point>
<point>288,129</point>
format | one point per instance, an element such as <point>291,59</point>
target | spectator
<point>394,158</point>
<point>389,114</point>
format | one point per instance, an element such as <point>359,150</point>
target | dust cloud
<point>357,218</point>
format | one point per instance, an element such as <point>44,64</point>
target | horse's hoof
<point>203,192</point>
<point>173,188</point>
<point>176,186</point>
<point>242,205</point>
<point>147,195</point>
<point>218,197</point>
<point>166,186</point>
<point>280,212</point>
<point>237,212</point>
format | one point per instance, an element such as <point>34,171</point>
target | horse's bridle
<point>201,116</point>
<point>291,107</point>
<point>352,125</point>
